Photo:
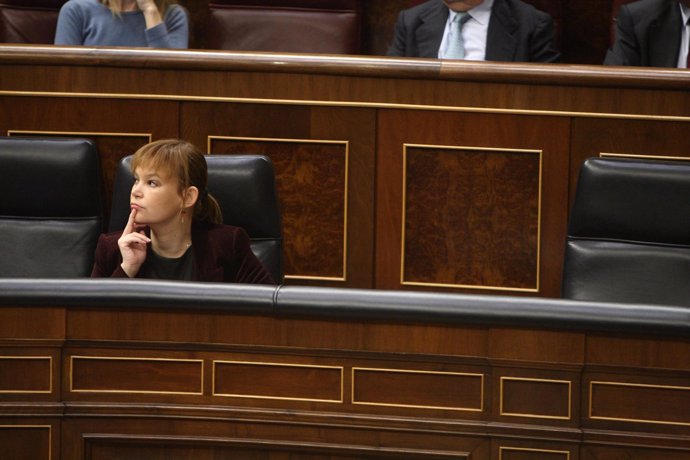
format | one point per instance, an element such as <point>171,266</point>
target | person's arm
<point>542,48</point>
<point>626,49</point>
<point>397,48</point>
<point>107,259</point>
<point>173,32</point>
<point>70,25</point>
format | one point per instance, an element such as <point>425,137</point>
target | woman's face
<point>156,197</point>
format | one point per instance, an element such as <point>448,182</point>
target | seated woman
<point>174,229</point>
<point>143,23</point>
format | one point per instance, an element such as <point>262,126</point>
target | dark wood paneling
<point>258,380</point>
<point>117,374</point>
<point>25,442</point>
<point>22,374</point>
<point>442,229</point>
<point>471,217</point>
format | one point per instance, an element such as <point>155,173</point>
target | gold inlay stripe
<point>127,358</point>
<point>503,449</point>
<point>420,372</point>
<point>540,416</point>
<point>335,103</point>
<point>346,144</point>
<point>403,214</point>
<point>632,385</point>
<point>643,157</point>
<point>12,132</point>
<point>48,427</point>
<point>50,375</point>
<point>340,369</point>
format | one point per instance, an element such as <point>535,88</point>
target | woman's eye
<point>152,183</point>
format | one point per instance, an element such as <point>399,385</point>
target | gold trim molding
<point>422,372</point>
<point>633,385</point>
<point>346,144</point>
<point>525,379</point>
<point>341,369</point>
<point>540,154</point>
<point>12,132</point>
<point>134,358</point>
<point>374,105</point>
<point>502,449</point>
<point>642,157</point>
<point>50,434</point>
<point>50,375</point>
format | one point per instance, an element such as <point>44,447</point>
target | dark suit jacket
<point>517,32</point>
<point>221,253</point>
<point>648,33</point>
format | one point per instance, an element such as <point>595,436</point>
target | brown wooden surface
<point>126,381</point>
<point>480,213</point>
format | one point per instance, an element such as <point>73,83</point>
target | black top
<point>164,268</point>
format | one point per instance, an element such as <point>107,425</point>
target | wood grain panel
<point>450,194</point>
<point>421,389</point>
<point>593,452</point>
<point>641,403</point>
<point>94,374</point>
<point>535,398</point>
<point>25,442</point>
<point>26,374</point>
<point>471,217</point>
<point>311,177</point>
<point>324,159</point>
<point>638,352</point>
<point>32,323</point>
<point>295,382</point>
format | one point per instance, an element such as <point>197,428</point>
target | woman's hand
<point>132,245</point>
<point>151,13</point>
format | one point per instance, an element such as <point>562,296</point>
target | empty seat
<point>29,21</point>
<point>244,186</point>
<point>629,233</point>
<point>297,26</point>
<point>50,207</point>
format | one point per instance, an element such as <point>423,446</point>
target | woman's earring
<point>182,213</point>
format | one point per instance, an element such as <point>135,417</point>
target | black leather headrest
<point>632,200</point>
<point>49,178</point>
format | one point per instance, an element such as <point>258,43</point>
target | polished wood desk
<point>114,370</point>
<point>392,173</point>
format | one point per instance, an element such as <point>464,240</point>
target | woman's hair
<point>182,159</point>
<point>116,5</point>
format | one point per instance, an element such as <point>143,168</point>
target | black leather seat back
<point>50,207</point>
<point>296,26</point>
<point>29,21</point>
<point>244,186</point>
<point>629,233</point>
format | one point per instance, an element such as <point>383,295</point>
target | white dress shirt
<point>474,32</point>
<point>684,37</point>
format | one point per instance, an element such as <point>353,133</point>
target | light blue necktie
<point>456,46</point>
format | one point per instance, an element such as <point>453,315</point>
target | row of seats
<point>628,235</point>
<point>52,207</point>
<point>303,26</point>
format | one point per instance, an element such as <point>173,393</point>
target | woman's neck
<point>171,242</point>
<point>129,5</point>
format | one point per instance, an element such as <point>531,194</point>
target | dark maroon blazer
<point>221,253</point>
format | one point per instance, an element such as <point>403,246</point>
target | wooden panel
<point>311,177</point>
<point>640,402</point>
<point>639,352</point>
<point>278,381</point>
<point>471,217</point>
<point>26,374</point>
<point>463,185</point>
<point>109,374</point>
<point>421,389</point>
<point>637,453</point>
<point>32,323</point>
<point>25,442</point>
<point>324,162</point>
<point>535,398</point>
<point>537,345</point>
